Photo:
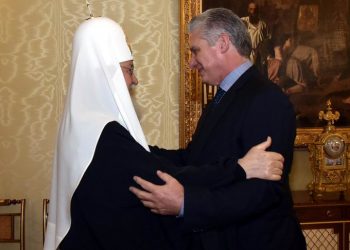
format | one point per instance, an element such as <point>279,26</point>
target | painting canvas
<point>315,65</point>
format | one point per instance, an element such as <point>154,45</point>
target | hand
<point>259,163</point>
<point>164,199</point>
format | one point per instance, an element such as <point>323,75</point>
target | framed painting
<point>316,60</point>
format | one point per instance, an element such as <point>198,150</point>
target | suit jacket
<point>250,214</point>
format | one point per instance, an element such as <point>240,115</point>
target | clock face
<point>334,146</point>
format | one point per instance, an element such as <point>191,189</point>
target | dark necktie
<point>219,94</point>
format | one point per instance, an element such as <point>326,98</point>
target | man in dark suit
<point>249,214</point>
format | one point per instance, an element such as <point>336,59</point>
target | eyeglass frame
<point>130,69</point>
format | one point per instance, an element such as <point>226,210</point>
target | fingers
<point>146,185</point>
<point>275,177</point>
<point>158,211</point>
<point>149,186</point>
<point>142,195</point>
<point>274,172</point>
<point>275,166</point>
<point>147,194</point>
<point>163,199</point>
<point>151,205</point>
<point>164,176</point>
<point>146,199</point>
<point>277,171</point>
<point>273,156</point>
<point>264,145</point>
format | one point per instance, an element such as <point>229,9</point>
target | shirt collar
<point>233,76</point>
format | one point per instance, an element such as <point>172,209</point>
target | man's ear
<point>224,42</point>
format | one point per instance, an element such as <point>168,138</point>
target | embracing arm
<point>169,198</point>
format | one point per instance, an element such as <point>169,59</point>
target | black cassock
<point>106,215</point>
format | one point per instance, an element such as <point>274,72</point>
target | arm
<point>167,199</point>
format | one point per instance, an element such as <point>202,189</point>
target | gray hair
<point>213,22</point>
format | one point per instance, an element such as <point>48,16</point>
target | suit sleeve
<point>223,171</point>
<point>270,114</point>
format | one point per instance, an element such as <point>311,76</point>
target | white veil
<point>97,95</point>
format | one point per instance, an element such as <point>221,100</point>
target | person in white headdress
<point>101,146</point>
<point>98,94</point>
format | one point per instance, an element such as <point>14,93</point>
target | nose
<point>193,62</point>
<point>135,81</point>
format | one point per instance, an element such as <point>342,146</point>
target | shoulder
<point>113,127</point>
<point>116,138</point>
<point>114,133</point>
<point>260,87</point>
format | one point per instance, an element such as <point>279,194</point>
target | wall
<point>35,48</point>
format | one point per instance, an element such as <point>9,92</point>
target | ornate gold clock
<point>329,156</point>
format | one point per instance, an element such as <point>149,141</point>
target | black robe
<point>106,215</point>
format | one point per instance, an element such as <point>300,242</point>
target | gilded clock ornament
<point>334,146</point>
<point>329,157</point>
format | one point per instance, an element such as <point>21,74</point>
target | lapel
<point>211,115</point>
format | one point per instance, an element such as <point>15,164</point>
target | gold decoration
<point>329,156</point>
<point>191,87</point>
<point>329,116</point>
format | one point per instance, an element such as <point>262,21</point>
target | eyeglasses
<point>130,70</point>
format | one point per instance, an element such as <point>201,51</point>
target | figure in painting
<point>258,31</point>
<point>293,67</point>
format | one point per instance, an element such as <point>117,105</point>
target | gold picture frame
<point>191,87</point>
